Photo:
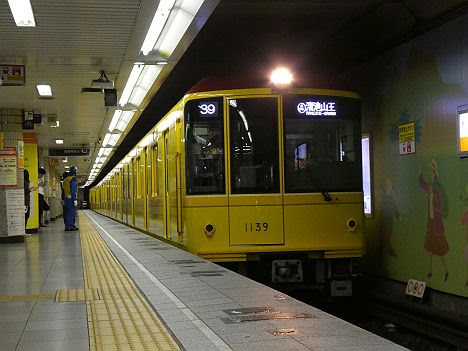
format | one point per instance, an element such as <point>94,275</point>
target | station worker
<point>70,189</point>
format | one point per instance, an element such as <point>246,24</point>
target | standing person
<point>436,243</point>
<point>27,197</point>
<point>43,206</point>
<point>62,196</point>
<point>70,188</point>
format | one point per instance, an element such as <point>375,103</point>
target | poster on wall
<point>15,211</point>
<point>463,134</point>
<point>20,154</point>
<point>14,75</point>
<point>8,167</point>
<point>406,138</point>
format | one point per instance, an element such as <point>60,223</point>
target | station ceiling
<point>74,40</point>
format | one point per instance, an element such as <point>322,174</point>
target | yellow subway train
<point>268,177</point>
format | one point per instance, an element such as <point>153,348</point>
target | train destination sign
<point>316,108</point>
<point>208,108</point>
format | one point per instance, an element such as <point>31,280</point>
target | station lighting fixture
<point>111,139</point>
<point>44,90</point>
<point>67,167</point>
<point>154,57</point>
<point>56,125</point>
<point>22,13</point>
<point>167,28</point>
<point>59,141</point>
<point>127,107</point>
<point>65,160</point>
<point>281,77</point>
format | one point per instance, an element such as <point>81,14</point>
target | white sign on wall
<point>415,288</point>
<point>15,211</point>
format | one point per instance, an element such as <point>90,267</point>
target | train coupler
<point>286,271</point>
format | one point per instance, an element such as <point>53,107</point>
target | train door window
<point>204,143</point>
<point>322,150</point>
<point>253,126</point>
<point>138,178</point>
<point>154,170</point>
<point>366,173</point>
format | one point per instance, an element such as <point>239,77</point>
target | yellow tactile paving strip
<point>17,298</point>
<point>122,320</point>
<point>72,295</point>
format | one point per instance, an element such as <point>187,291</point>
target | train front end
<point>275,180</point>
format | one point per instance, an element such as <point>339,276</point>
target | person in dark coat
<point>27,197</point>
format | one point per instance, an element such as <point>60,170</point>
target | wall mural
<point>420,226</point>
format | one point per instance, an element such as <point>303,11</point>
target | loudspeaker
<point>110,97</point>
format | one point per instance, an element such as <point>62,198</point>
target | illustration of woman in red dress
<point>436,243</point>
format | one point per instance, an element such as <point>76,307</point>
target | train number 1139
<point>256,227</point>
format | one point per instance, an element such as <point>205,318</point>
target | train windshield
<point>321,143</point>
<point>204,143</point>
<point>253,128</point>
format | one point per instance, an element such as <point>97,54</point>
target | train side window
<point>366,143</point>
<point>154,165</point>
<point>254,145</point>
<point>204,145</point>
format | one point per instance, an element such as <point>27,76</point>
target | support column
<point>12,195</point>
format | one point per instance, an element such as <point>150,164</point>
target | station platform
<point>110,287</point>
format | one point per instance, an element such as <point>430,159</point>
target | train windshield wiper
<point>325,194</point>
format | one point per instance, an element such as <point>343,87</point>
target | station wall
<point>419,228</point>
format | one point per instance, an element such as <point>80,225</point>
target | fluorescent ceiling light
<point>104,151</point>
<point>115,119</point>
<point>132,79</point>
<point>22,13</point>
<point>44,90</point>
<point>66,167</point>
<point>176,31</point>
<point>65,160</point>
<point>56,125</point>
<point>159,20</point>
<point>59,141</point>
<point>111,139</point>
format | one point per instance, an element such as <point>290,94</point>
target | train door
<point>255,200</point>
<point>172,175</point>
<point>126,192</point>
<point>132,192</point>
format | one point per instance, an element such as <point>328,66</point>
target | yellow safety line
<point>122,319</point>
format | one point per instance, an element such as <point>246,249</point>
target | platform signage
<point>83,151</point>
<point>28,120</point>
<point>406,138</point>
<point>15,211</point>
<point>316,108</point>
<point>415,288</point>
<point>8,167</point>
<point>12,75</point>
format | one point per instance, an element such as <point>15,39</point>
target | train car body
<point>251,175</point>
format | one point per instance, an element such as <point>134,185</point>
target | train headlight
<point>209,230</point>
<point>281,77</point>
<point>351,224</point>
